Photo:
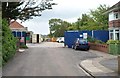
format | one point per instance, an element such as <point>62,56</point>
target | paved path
<point>47,59</point>
<point>103,65</point>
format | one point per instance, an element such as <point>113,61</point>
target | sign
<point>84,35</point>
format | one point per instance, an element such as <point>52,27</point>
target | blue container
<point>70,36</point>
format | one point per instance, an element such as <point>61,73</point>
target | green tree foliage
<point>100,18</point>
<point>95,20</point>
<point>24,10</point>
<point>57,27</point>
<point>0,37</point>
<point>8,42</point>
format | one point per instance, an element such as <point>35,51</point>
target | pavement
<point>104,65</point>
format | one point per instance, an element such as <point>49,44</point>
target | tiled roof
<point>15,24</point>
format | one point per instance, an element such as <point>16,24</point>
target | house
<point>114,21</point>
<point>18,31</point>
<point>15,26</point>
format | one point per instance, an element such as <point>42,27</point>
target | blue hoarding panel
<point>101,35</point>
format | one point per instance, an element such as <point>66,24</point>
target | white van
<point>60,40</point>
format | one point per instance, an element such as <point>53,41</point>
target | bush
<point>8,42</point>
<point>113,42</point>
<point>93,40</point>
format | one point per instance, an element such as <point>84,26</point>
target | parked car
<point>60,39</point>
<point>81,44</point>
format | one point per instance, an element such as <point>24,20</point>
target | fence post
<point>118,64</point>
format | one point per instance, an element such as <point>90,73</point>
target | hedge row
<point>8,42</point>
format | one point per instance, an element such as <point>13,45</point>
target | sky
<point>67,10</point>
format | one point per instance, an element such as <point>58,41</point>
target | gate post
<point>118,64</point>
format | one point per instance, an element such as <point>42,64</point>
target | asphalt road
<point>47,59</point>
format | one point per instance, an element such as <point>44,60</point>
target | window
<point>111,31</point>
<point>111,36</point>
<point>116,36</point>
<point>116,15</point>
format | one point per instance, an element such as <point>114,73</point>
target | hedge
<point>8,42</point>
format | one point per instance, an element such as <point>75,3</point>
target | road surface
<point>47,59</point>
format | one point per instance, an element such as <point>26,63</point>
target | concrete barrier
<point>119,64</point>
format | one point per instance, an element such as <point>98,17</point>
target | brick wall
<point>114,23</point>
<point>99,47</point>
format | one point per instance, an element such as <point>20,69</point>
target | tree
<point>95,20</point>
<point>24,10</point>
<point>86,20</point>
<point>98,16</point>
<point>58,27</point>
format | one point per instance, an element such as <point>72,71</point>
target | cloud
<point>68,10</point>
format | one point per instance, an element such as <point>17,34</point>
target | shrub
<point>8,42</point>
<point>113,42</point>
<point>93,40</point>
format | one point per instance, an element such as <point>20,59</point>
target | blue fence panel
<point>102,35</point>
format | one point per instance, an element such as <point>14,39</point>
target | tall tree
<point>57,27</point>
<point>96,19</point>
<point>100,18</point>
<point>25,10</point>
